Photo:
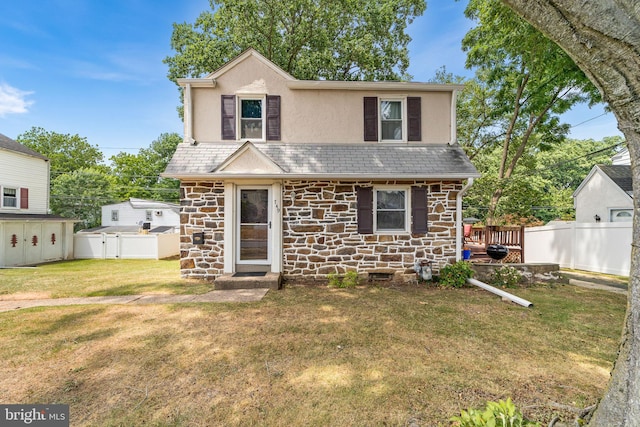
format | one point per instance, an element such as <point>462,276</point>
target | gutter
<point>459,233</point>
<point>345,176</point>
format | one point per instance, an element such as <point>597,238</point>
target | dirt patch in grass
<point>314,356</point>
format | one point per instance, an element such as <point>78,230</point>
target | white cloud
<point>12,100</point>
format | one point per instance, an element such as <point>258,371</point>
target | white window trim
<point>407,208</point>
<point>17,190</point>
<point>618,210</point>
<point>261,98</point>
<point>115,215</point>
<point>403,102</point>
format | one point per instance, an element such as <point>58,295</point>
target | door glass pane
<point>253,242</point>
<point>254,224</point>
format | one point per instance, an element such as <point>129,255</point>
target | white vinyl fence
<point>599,247</point>
<point>124,246</point>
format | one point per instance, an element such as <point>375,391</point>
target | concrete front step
<point>229,281</point>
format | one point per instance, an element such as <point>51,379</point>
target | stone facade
<point>202,211</point>
<point>320,232</point>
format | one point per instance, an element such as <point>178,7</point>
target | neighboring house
<point>137,212</point>
<point>621,158</point>
<point>605,195</point>
<point>28,234</point>
<point>307,178</point>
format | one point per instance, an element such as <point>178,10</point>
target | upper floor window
<point>391,120</point>
<point>9,197</point>
<point>114,215</point>
<point>148,215</point>
<point>251,119</point>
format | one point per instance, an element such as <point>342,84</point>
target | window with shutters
<point>397,119</point>
<point>392,210</point>
<point>255,117</point>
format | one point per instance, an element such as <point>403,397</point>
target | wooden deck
<point>477,239</point>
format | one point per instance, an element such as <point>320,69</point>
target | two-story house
<point>306,178</point>
<point>28,234</point>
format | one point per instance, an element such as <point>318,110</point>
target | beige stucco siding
<point>310,115</point>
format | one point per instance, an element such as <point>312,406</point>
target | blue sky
<point>94,68</point>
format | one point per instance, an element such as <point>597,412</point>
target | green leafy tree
<point>524,82</point>
<point>310,39</point>
<point>138,175</point>
<point>66,152</point>
<point>542,187</point>
<point>80,194</point>
<point>603,38</point>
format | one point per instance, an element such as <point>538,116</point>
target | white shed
<point>28,233</point>
<point>136,212</point>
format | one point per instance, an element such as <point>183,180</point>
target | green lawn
<point>92,277</point>
<point>310,356</point>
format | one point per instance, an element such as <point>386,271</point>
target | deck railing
<point>510,236</point>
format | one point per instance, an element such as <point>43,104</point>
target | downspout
<point>454,119</point>
<point>499,292</point>
<point>459,218</point>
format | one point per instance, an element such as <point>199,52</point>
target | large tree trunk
<point>603,38</point>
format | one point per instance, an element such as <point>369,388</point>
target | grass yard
<point>313,356</point>
<point>92,277</point>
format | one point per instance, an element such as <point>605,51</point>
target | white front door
<point>253,237</point>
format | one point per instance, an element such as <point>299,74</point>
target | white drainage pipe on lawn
<point>499,292</point>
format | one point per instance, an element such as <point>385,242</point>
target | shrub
<point>505,277</point>
<point>456,275</point>
<point>350,280</point>
<point>496,414</point>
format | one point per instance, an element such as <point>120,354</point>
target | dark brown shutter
<point>370,118</point>
<point>365,210</point>
<point>24,198</point>
<point>228,117</point>
<point>419,214</point>
<point>414,119</point>
<point>273,118</point>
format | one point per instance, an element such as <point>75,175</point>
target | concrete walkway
<point>235,295</point>
<point>603,282</point>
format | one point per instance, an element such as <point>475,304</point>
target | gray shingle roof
<point>621,175</point>
<point>9,144</point>
<point>360,160</point>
